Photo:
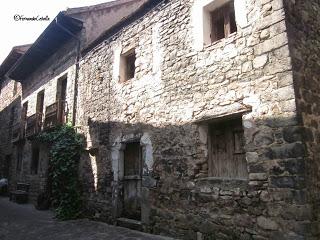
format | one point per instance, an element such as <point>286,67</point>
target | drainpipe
<point>75,97</point>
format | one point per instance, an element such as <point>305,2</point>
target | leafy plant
<point>63,184</point>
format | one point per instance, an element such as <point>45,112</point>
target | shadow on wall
<point>9,116</point>
<point>177,179</point>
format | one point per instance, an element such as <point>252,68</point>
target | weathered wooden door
<point>227,155</point>
<point>132,181</point>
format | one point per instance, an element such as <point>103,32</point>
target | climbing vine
<point>63,188</point>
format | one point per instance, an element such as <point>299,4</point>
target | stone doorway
<point>132,162</point>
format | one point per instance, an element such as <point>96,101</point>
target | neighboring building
<point>201,116</point>
<point>10,107</point>
<point>48,74</point>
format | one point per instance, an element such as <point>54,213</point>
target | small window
<point>226,150</point>
<point>132,159</point>
<point>127,65</point>
<point>223,22</point>
<point>35,159</point>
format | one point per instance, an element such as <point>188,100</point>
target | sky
<point>16,31</point>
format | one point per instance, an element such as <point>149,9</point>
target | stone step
<point>129,223</point>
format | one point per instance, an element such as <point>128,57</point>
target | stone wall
<point>10,97</point>
<point>304,31</point>
<point>176,84</point>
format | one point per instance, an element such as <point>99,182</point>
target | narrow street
<point>24,222</point>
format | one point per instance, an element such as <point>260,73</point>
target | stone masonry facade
<point>174,87</point>
<point>10,104</point>
<point>264,75</point>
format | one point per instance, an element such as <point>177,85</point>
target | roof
<point>46,44</point>
<point>12,58</point>
<point>71,11</point>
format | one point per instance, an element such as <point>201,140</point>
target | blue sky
<point>24,32</point>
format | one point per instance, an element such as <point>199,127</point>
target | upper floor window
<point>15,88</point>
<point>127,65</point>
<point>213,20</point>
<point>223,22</point>
<point>24,111</point>
<point>62,88</point>
<point>40,102</point>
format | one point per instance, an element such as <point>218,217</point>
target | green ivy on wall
<point>63,183</point>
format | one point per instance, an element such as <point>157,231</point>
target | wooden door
<point>61,100</point>
<point>132,181</point>
<point>227,155</point>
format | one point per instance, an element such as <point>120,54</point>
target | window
<point>40,102</point>
<point>62,88</point>
<point>223,22</point>
<point>19,157</point>
<point>15,88</point>
<point>226,150</point>
<point>132,159</point>
<point>24,111</point>
<point>127,65</point>
<point>61,97</point>
<point>35,159</point>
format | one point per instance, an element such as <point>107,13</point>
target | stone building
<point>200,116</point>
<point>10,104</point>
<point>48,75</point>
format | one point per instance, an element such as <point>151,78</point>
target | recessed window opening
<point>222,21</point>
<point>127,65</point>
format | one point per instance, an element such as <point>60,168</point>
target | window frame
<point>124,65</point>
<point>227,13</point>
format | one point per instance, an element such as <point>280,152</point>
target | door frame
<point>117,158</point>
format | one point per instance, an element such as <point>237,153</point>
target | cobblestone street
<point>24,222</point>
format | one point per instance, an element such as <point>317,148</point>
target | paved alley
<point>24,222</point>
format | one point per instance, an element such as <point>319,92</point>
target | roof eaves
<point>14,55</point>
<point>19,70</point>
<point>71,11</point>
